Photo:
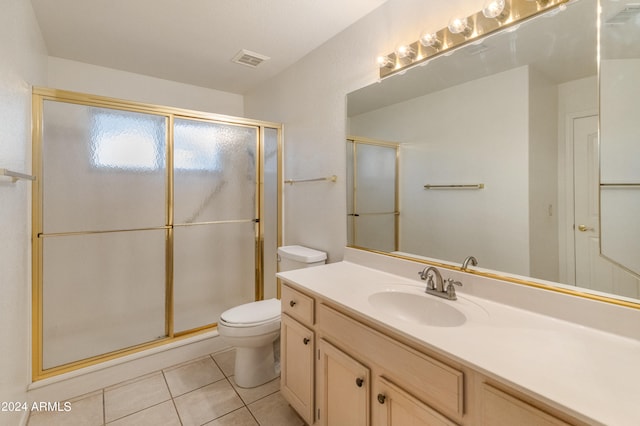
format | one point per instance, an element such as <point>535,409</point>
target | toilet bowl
<point>253,329</point>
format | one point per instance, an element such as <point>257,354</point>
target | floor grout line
<point>173,401</point>
<point>229,379</point>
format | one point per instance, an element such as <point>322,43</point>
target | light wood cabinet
<point>394,406</point>
<point>503,409</point>
<point>436,383</point>
<point>340,369</point>
<point>343,388</point>
<point>297,366</point>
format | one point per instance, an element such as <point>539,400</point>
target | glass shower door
<point>102,230</point>
<point>215,229</point>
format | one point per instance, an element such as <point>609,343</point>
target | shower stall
<point>148,222</point>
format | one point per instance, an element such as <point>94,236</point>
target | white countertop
<point>590,374</point>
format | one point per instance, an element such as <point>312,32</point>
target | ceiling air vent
<point>248,58</point>
<point>630,10</point>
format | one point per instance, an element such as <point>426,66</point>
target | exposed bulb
<point>460,26</point>
<point>405,51</point>
<point>495,9</point>
<point>430,40</point>
<point>384,62</point>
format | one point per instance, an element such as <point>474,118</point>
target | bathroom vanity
<point>364,346</point>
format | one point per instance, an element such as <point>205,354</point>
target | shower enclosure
<point>148,223</point>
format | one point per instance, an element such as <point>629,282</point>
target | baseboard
<point>70,385</point>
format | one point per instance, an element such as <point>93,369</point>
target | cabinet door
<point>344,388</point>
<point>502,409</point>
<point>296,376</point>
<point>395,407</point>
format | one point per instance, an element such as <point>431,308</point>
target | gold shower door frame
<point>39,96</point>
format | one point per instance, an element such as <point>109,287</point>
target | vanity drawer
<point>297,305</point>
<point>430,380</point>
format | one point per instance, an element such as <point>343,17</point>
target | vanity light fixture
<point>496,9</point>
<point>497,15</point>
<point>459,25</point>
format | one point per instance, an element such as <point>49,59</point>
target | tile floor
<point>199,392</point>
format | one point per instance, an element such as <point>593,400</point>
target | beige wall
<point>80,77</point>
<point>309,98</point>
<point>460,145</point>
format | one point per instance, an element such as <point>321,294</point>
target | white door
<point>591,269</point>
<point>586,181</point>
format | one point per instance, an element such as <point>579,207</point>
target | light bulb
<point>460,26</point>
<point>430,40</point>
<point>385,62</point>
<point>405,51</point>
<point>495,9</point>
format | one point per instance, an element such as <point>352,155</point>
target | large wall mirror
<point>499,154</point>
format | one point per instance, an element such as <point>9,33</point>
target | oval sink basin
<point>416,308</point>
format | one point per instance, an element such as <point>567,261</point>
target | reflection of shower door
<point>372,200</point>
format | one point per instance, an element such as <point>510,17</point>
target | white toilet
<point>254,328</point>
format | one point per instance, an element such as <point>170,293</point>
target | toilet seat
<point>252,314</point>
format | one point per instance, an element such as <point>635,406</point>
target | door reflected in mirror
<point>517,113</point>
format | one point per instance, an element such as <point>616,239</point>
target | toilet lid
<point>254,312</point>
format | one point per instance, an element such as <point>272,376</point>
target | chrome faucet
<point>438,288</point>
<point>469,259</point>
<point>424,275</point>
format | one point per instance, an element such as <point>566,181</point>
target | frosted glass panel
<point>371,196</point>
<point>376,179</point>
<point>101,292</point>
<point>103,169</point>
<point>375,232</point>
<point>214,171</point>
<point>270,217</point>
<point>620,225</point>
<point>214,270</point>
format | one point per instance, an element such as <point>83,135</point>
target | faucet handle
<point>451,290</point>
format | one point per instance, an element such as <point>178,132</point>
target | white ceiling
<point>193,41</point>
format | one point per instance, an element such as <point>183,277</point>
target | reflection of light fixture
<point>385,62</point>
<point>460,26</point>
<point>430,40</point>
<point>496,9</point>
<point>405,52</point>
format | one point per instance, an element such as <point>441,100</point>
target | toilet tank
<point>297,257</point>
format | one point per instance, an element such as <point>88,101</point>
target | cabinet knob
<point>381,398</point>
<point>292,303</point>
<point>306,340</point>
<point>359,382</point>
